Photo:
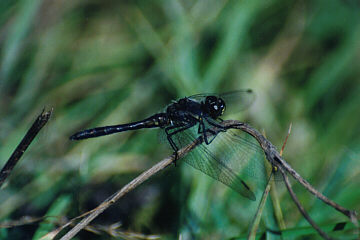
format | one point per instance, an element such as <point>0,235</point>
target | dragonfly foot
<point>176,157</point>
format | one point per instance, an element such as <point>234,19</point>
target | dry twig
<point>301,208</point>
<point>129,187</point>
<point>39,123</point>
<point>275,159</point>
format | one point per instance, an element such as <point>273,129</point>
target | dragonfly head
<point>214,106</point>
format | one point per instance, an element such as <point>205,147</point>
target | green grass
<point>108,62</point>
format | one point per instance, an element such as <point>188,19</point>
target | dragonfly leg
<point>171,141</point>
<point>204,131</point>
<point>214,135</point>
<point>216,124</point>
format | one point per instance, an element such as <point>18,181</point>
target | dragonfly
<point>224,155</point>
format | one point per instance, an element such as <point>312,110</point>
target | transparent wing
<point>232,159</point>
<point>252,155</point>
<point>235,101</point>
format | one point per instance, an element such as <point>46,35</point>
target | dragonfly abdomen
<point>157,120</point>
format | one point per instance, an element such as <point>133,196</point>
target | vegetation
<point>101,63</point>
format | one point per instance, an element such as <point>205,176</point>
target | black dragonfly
<point>223,156</point>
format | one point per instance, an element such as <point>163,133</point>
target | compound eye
<point>222,106</point>
<point>214,105</point>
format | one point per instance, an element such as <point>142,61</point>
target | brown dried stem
<point>275,159</point>
<point>301,208</point>
<point>129,187</point>
<point>39,123</point>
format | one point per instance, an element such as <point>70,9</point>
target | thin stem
<point>39,123</point>
<point>257,217</point>
<point>301,208</point>
<point>129,187</point>
<point>276,160</point>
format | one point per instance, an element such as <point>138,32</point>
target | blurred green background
<point>108,62</point>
